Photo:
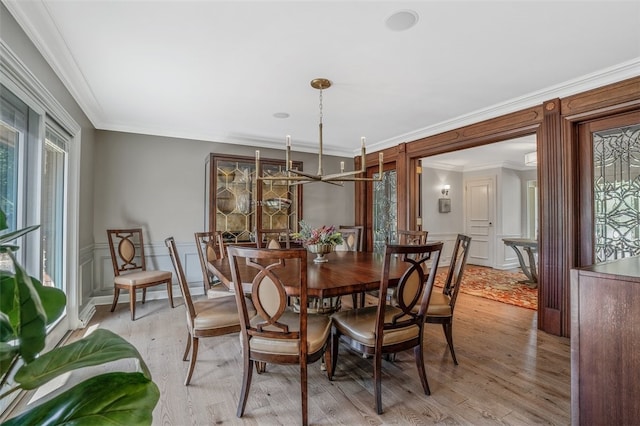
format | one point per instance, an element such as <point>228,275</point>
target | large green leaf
<point>108,399</point>
<point>97,348</point>
<point>7,355</point>
<point>9,300</point>
<point>4,239</point>
<point>53,300</point>
<point>33,319</point>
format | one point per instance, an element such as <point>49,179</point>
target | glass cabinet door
<point>237,206</point>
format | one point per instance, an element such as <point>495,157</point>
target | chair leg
<point>186,350</point>
<point>116,294</point>
<point>354,299</point>
<point>303,392</point>
<point>422,373</point>
<point>194,356</point>
<point>448,334</point>
<point>132,303</point>
<point>246,384</point>
<point>377,380</point>
<point>335,341</point>
<point>328,362</point>
<point>170,292</point>
<point>144,295</point>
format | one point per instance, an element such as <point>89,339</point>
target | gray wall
<point>158,183</point>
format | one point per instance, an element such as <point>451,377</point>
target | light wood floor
<point>509,373</point>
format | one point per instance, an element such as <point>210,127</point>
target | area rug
<point>494,284</point>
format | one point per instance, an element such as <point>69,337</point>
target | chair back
<point>351,239</point>
<point>268,291</point>
<point>456,268</point>
<point>127,250</point>
<point>413,290</point>
<point>210,247</point>
<point>412,237</point>
<point>273,238</point>
<point>182,281</point>
<point>360,234</point>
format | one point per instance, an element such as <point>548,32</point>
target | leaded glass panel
<point>385,207</point>
<point>616,159</point>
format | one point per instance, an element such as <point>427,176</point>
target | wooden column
<point>557,210</point>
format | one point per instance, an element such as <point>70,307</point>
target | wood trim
<point>558,175</point>
<point>509,126</point>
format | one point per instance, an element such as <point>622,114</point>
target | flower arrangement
<point>323,235</point>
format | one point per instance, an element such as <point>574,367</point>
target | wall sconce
<point>531,158</point>
<point>444,204</point>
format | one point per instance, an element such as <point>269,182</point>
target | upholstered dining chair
<point>404,237</point>
<point>389,328</point>
<point>273,238</point>
<point>412,237</point>
<point>360,235</point>
<point>205,318</point>
<point>277,335</point>
<point>441,305</point>
<point>130,267</point>
<point>351,241</point>
<point>210,247</point>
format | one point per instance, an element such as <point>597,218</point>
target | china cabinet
<point>238,204</point>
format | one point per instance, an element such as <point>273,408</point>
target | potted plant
<point>26,309</point>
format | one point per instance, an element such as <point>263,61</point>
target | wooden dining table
<point>345,273</point>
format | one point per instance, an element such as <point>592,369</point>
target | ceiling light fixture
<point>297,177</point>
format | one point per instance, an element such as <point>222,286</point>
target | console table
<point>530,247</point>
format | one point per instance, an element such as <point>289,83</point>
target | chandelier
<point>297,177</point>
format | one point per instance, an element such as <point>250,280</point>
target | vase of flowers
<point>318,240</point>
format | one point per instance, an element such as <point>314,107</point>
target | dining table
<point>344,273</point>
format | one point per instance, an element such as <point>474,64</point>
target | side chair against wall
<point>205,318</point>
<point>273,238</point>
<point>441,305</point>
<point>130,267</point>
<point>386,328</point>
<point>277,334</point>
<point>210,247</point>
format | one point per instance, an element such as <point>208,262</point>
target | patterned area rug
<point>494,284</point>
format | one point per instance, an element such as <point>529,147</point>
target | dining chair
<point>360,235</point>
<point>205,318</point>
<point>352,241</point>
<point>273,238</point>
<point>277,335</point>
<point>210,247</point>
<point>388,328</point>
<point>441,305</point>
<point>130,267</point>
<point>411,237</point>
<point>404,237</point>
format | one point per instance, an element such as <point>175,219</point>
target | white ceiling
<point>220,70</point>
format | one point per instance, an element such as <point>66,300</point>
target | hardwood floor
<point>509,373</point>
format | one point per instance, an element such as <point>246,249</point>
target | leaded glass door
<point>611,228</point>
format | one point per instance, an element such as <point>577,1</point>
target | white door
<point>479,218</point>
